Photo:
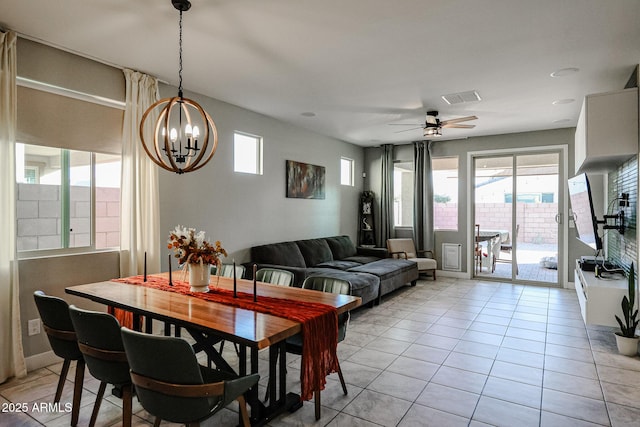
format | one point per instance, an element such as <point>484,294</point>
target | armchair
<point>405,249</point>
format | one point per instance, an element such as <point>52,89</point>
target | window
<point>346,171</point>
<point>247,153</point>
<point>403,194</point>
<point>445,193</point>
<point>67,199</point>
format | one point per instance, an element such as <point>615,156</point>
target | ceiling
<point>359,65</point>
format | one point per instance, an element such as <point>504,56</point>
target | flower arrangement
<point>192,248</point>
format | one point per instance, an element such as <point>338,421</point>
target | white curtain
<point>139,206</point>
<point>11,355</point>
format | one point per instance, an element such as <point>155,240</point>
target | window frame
<point>65,213</point>
<point>351,177</point>
<point>399,205</point>
<point>259,152</point>
<point>457,228</point>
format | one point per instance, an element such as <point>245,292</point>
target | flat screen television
<point>583,213</point>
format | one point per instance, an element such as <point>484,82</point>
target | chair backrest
<point>100,342</point>
<point>226,270</point>
<point>170,360</point>
<point>402,245</point>
<point>54,313</point>
<point>494,247</point>
<point>275,276</point>
<point>335,286</point>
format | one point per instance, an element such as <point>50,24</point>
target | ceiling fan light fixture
<point>432,131</point>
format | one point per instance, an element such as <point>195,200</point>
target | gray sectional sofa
<point>369,270</point>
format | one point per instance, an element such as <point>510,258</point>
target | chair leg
<point>157,422</point>
<point>127,405</point>
<point>242,404</point>
<point>62,380</point>
<point>344,386</point>
<point>316,397</point>
<point>96,405</point>
<point>77,392</point>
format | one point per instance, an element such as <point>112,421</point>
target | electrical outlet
<point>34,327</point>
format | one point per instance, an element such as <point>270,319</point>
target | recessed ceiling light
<point>564,72</point>
<point>563,101</point>
<point>561,121</point>
<point>308,114</point>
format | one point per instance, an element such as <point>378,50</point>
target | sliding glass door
<point>517,221</point>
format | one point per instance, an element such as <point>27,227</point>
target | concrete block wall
<point>536,220</point>
<point>40,223</point>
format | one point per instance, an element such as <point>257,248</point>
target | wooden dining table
<point>210,322</point>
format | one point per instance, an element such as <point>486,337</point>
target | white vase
<point>627,346</point>
<point>199,277</point>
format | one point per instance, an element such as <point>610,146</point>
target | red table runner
<point>319,324</point>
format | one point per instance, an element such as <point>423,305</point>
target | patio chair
<point>508,248</point>
<point>477,251</point>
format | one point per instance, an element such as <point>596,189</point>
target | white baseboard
<point>41,360</point>
<point>456,274</point>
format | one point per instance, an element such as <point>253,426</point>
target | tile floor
<point>446,353</point>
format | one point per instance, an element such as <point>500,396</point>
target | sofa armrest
<point>377,252</point>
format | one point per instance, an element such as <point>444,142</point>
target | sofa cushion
<point>339,264</point>
<point>341,247</point>
<point>314,251</point>
<point>362,259</point>
<point>363,285</point>
<point>285,253</point>
<point>385,268</point>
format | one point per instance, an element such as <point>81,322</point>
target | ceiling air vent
<point>461,97</point>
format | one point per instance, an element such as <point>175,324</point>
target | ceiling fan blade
<point>455,126</point>
<point>406,130</point>
<point>461,119</point>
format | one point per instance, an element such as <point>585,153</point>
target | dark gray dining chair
<point>172,386</point>
<point>295,343</point>
<point>54,313</point>
<point>100,342</point>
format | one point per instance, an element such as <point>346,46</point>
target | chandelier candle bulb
<point>255,286</point>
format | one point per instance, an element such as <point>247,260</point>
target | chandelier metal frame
<point>187,158</point>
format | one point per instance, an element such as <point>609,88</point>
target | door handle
<point>559,218</point>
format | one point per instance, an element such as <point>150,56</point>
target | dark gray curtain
<point>386,195</point>
<point>423,235</point>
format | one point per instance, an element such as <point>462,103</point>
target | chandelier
<point>177,130</point>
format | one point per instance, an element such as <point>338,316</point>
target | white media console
<point>599,298</point>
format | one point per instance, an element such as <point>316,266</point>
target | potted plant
<point>626,338</point>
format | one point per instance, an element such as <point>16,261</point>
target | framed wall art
<point>305,181</point>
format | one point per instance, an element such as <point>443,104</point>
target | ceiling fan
<point>433,126</point>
